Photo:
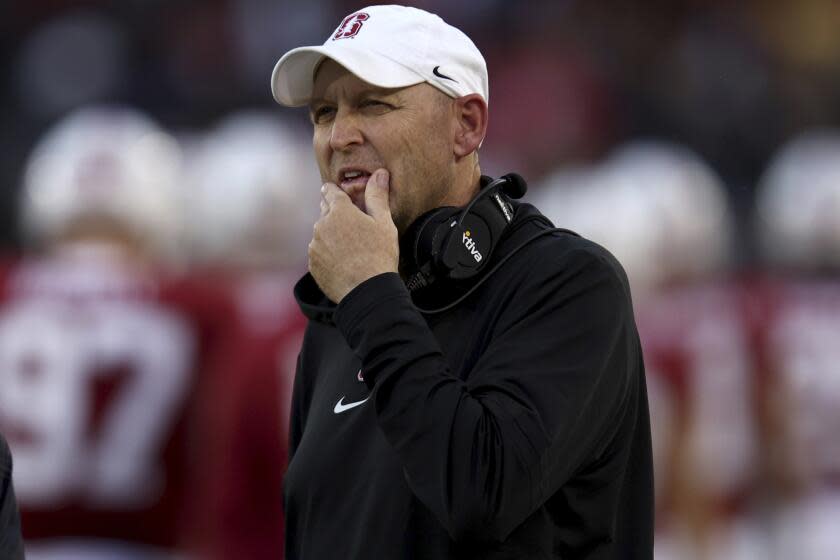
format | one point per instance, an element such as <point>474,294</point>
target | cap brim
<point>293,77</point>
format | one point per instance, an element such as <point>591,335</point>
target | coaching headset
<point>455,244</point>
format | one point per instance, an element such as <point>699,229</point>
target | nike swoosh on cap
<point>341,406</point>
<point>439,75</point>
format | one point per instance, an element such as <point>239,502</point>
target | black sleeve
<point>543,398</point>
<point>299,408</point>
<point>296,414</point>
<point>11,542</point>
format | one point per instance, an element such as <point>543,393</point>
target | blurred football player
<point>104,352</point>
<point>251,207</point>
<point>696,341</point>
<point>665,215</point>
<point>799,232</point>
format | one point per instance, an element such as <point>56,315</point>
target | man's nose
<point>345,131</point>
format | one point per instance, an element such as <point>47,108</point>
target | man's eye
<point>319,114</point>
<point>374,103</point>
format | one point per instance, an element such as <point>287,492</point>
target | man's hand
<point>348,245</point>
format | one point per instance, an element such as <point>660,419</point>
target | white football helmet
<point>657,207</point>
<point>253,193</point>
<point>687,204</point>
<point>109,165</point>
<point>798,203</point>
<point>589,201</point>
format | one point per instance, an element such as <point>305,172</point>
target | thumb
<point>376,195</point>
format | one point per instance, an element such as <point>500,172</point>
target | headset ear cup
<point>433,234</point>
<point>420,245</point>
<point>456,243</point>
<point>470,243</point>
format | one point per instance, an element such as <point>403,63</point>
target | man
<point>508,417</point>
<point>11,544</point>
<point>250,178</point>
<point>794,323</point>
<point>106,356</point>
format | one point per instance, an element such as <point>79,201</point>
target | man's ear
<point>470,123</point>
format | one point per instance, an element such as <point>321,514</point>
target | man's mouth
<point>353,178</point>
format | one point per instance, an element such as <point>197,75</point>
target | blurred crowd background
<point>156,205</point>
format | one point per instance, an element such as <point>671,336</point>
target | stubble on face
<point>411,136</point>
<point>428,167</point>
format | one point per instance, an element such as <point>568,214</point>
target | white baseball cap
<point>390,47</point>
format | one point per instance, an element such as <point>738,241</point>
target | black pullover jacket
<point>514,425</point>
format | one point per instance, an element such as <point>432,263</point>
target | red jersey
<point>700,380</point>
<point>103,367</point>
<point>248,423</point>
<point>800,351</point>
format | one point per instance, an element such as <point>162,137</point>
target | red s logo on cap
<point>351,26</point>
